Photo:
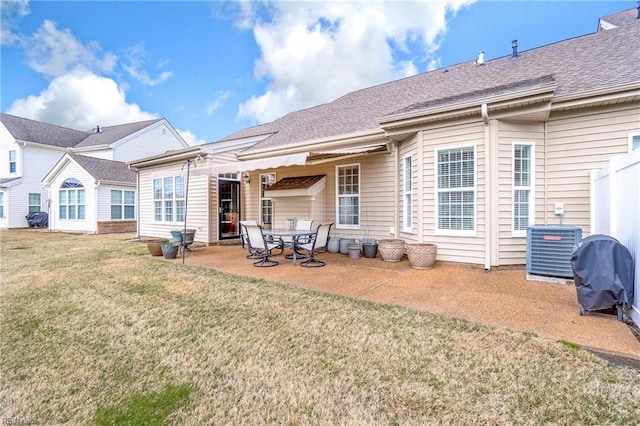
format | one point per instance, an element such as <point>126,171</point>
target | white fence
<point>615,210</point>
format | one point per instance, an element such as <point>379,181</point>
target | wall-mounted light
<point>246,178</point>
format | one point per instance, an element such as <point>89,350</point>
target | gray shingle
<point>27,130</point>
<point>112,134</point>
<point>108,170</point>
<point>594,61</point>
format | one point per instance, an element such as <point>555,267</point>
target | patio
<point>502,297</point>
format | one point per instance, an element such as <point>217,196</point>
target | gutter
<point>488,178</point>
<point>315,144</point>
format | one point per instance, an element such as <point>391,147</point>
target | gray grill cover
<point>603,272</point>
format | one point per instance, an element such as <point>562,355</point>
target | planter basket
<point>354,250</point>
<point>155,246</point>
<point>422,255</point>
<point>391,250</point>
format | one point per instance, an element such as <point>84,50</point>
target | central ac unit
<point>549,249</point>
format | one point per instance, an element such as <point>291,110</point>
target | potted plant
<point>170,251</point>
<point>155,246</point>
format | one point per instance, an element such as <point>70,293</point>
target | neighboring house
<point>32,151</point>
<point>465,157</point>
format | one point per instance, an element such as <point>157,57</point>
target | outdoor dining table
<point>295,234</point>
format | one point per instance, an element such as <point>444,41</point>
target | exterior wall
<point>197,204</point>
<point>39,161</point>
<point>377,213</point>
<point>105,224</point>
<point>409,147</point>
<point>464,133</point>
<point>153,140</point>
<point>105,154</point>
<point>89,224</point>
<point>512,249</point>
<point>578,142</point>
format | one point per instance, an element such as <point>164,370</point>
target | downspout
<point>546,173</point>
<point>396,182</point>
<point>488,178</point>
<point>95,206</point>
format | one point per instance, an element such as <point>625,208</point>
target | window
<point>634,142</point>
<point>455,191</point>
<point>266,205</point>
<point>522,187</point>
<point>123,204</point>
<point>71,200</point>
<point>13,165</point>
<point>34,203</point>
<point>168,199</point>
<point>407,200</point>
<point>348,194</point>
<point>1,204</point>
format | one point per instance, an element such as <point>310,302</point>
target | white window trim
<point>450,232</point>
<point>338,224</point>
<point>29,205</point>
<point>261,198</point>
<point>531,188</point>
<point>16,162</point>
<point>407,211</point>
<point>123,205</point>
<point>631,136</point>
<point>162,200</point>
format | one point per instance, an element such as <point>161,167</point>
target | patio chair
<point>301,225</point>
<point>259,245</point>
<point>318,241</point>
<point>243,238</point>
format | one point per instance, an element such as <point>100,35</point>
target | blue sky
<point>212,68</point>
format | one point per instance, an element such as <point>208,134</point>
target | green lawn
<point>96,331</point>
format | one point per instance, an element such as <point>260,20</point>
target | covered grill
<point>603,274</point>
<point>37,220</point>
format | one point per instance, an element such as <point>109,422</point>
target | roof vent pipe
<point>98,129</point>
<point>480,59</point>
<point>638,17</point>
<point>514,47</point>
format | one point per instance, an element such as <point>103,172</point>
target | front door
<point>228,209</point>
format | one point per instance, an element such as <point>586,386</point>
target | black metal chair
<point>259,246</point>
<point>318,241</point>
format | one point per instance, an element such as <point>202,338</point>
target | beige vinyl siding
<point>409,148</point>
<point>512,250</point>
<point>377,213</point>
<point>197,203</point>
<point>463,133</point>
<point>577,143</point>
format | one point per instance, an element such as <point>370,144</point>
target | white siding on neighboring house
<point>105,154</point>
<point>578,142</point>
<point>89,223</point>
<point>466,249</point>
<point>154,139</point>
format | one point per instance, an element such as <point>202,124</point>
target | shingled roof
<point>592,62</point>
<point>105,170</point>
<point>26,130</point>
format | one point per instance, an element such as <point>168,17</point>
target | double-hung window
<point>123,204</point>
<point>1,204</point>
<point>523,205</point>
<point>348,196</point>
<point>34,202</point>
<point>266,204</point>
<point>407,196</point>
<point>71,200</point>
<point>13,162</point>
<point>634,141</point>
<point>169,199</point>
<point>456,191</point>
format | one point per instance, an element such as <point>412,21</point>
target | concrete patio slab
<point>502,297</point>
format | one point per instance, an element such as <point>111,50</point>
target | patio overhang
<point>299,159</point>
<point>299,186</point>
<point>323,156</point>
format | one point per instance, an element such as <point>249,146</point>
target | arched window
<point>71,200</point>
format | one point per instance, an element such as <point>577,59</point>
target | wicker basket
<point>391,250</point>
<point>422,255</point>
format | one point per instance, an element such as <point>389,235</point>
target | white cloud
<point>11,12</point>
<point>80,100</point>
<point>137,58</point>
<point>55,52</point>
<point>218,102</point>
<point>314,52</point>
<point>190,138</point>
